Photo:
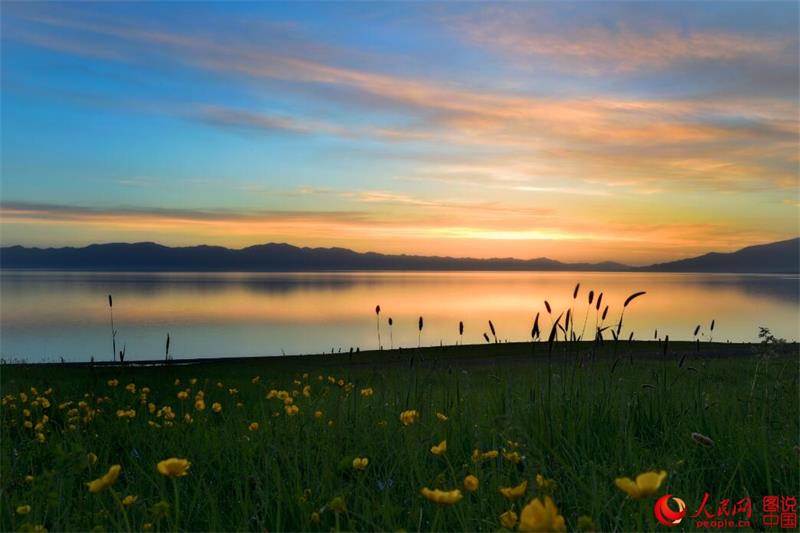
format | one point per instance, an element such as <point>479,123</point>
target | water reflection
<point>55,314</point>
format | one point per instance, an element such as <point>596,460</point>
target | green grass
<point>580,420</point>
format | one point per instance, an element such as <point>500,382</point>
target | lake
<point>48,315</point>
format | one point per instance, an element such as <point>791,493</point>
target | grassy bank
<point>580,416</point>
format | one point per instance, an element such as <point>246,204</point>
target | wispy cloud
<point>600,49</point>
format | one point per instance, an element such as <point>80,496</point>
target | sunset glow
<point>635,132</point>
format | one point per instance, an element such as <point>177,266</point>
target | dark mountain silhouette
<point>775,257</point>
<point>147,256</point>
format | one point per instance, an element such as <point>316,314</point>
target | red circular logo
<point>664,512</point>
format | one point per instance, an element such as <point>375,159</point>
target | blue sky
<point>633,131</point>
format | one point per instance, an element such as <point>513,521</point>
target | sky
<point>635,131</point>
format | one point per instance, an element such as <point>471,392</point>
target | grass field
<point>579,417</point>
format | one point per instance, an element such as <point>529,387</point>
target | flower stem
<point>122,508</point>
<point>177,503</point>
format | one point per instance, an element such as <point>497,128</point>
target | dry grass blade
<point>575,292</point>
<point>697,330</point>
<point>591,297</point>
<point>702,440</point>
<point>547,306</point>
<point>632,297</point>
<point>553,332</point>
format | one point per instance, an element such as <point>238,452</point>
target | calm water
<point>47,315</point>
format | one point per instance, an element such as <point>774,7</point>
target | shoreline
<point>469,354</point>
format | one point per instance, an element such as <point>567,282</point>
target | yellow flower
<point>646,484</point>
<point>409,417</point>
<point>255,380</point>
<point>188,418</point>
<point>471,483</point>
<point>129,500</point>
<point>106,480</point>
<point>366,393</point>
<point>513,493</point>
<point>200,405</point>
<point>216,407</point>
<point>23,509</point>
<point>360,463</point>
<point>307,391</point>
<point>317,414</point>
<point>512,457</point>
<point>508,519</point>
<point>545,484</point>
<point>585,523</point>
<point>27,424</point>
<point>147,526</point>
<point>442,417</point>
<point>111,383</point>
<point>182,395</point>
<point>174,467</point>
<point>338,505</point>
<point>177,382</point>
<point>541,516</point>
<point>29,479</point>
<point>291,410</point>
<point>253,426</point>
<point>26,413</point>
<point>440,448</point>
<point>442,497</point>
<point>131,387</point>
<point>193,381</point>
<point>92,458</point>
<point>477,456</point>
<point>315,517</point>
<point>40,437</point>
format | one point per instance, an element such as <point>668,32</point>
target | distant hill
<point>776,257</point>
<point>147,256</point>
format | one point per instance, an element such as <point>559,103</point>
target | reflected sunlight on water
<point>47,315</point>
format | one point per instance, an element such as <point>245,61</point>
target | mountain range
<point>776,257</point>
